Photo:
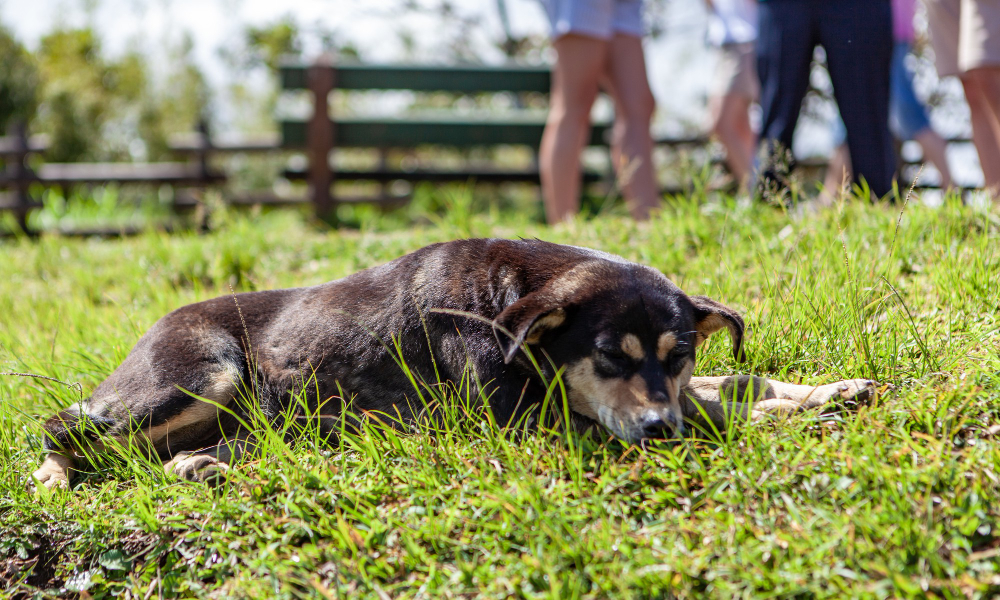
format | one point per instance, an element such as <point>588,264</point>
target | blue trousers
<point>857,37</point>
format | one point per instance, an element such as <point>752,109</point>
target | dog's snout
<point>654,428</point>
<point>660,426</point>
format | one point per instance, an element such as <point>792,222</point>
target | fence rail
<point>195,172</point>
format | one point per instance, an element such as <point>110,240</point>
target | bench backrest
<point>438,128</point>
<point>465,79</point>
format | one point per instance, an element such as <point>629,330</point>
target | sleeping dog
<point>621,335</point>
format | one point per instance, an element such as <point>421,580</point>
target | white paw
<point>201,468</point>
<point>849,394</point>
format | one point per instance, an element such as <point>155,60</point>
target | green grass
<point>899,499</point>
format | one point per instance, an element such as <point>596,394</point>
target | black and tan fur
<point>624,333</point>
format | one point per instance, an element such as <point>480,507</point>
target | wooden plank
<point>111,231</point>
<point>293,76</point>
<point>265,199</point>
<point>493,176</point>
<point>12,202</point>
<point>691,140</point>
<point>272,199</point>
<point>192,142</point>
<point>466,79</point>
<point>437,130</point>
<point>178,173</point>
<point>11,146</point>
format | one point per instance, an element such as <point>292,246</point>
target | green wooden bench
<point>324,132</point>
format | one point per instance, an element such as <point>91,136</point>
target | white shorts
<point>736,72</point>
<point>600,19</point>
<point>965,34</point>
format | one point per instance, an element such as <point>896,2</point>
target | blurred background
<point>113,80</point>
<point>167,59</point>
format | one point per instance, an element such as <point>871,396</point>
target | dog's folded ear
<point>711,316</point>
<point>524,322</point>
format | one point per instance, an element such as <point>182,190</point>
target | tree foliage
<point>96,107</point>
<point>19,81</point>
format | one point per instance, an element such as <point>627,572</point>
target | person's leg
<point>982,92</point>
<point>632,143</point>
<point>838,175</point>
<point>908,119</point>
<point>735,88</point>
<point>731,124</point>
<point>934,148</point>
<point>784,54</point>
<point>579,65</point>
<point>857,36</point>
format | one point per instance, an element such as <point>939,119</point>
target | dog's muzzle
<point>658,426</point>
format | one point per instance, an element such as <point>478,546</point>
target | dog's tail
<point>74,427</point>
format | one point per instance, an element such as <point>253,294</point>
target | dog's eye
<point>678,353</point>
<point>676,359</point>
<point>612,356</point>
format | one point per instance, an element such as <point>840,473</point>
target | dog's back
<point>340,342</point>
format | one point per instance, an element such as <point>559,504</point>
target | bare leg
<point>632,143</point>
<point>731,124</point>
<point>838,176</point>
<point>579,65</point>
<point>720,401</point>
<point>934,148</point>
<point>982,91</point>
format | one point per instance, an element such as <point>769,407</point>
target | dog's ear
<point>711,316</point>
<point>524,322</point>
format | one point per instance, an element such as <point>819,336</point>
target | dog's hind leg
<point>73,427</point>
<point>140,415</point>
<point>209,465</point>
<point>54,471</point>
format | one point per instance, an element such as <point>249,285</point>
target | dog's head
<point>626,336</point>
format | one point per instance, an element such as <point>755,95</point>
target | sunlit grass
<point>896,499</point>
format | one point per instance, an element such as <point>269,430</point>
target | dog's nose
<point>658,427</point>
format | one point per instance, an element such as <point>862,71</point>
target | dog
<point>514,313</point>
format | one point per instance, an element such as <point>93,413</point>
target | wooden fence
<point>195,171</point>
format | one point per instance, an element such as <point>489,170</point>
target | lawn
<point>895,499</point>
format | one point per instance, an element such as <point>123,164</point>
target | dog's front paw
<point>201,468</point>
<point>854,392</point>
<point>859,390</point>
<point>850,393</point>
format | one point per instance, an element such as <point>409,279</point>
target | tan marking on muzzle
<point>664,345</point>
<point>632,346</point>
<point>617,404</point>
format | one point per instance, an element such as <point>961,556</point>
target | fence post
<point>320,139</point>
<point>20,174</point>
<point>204,148</point>
<point>201,158</point>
